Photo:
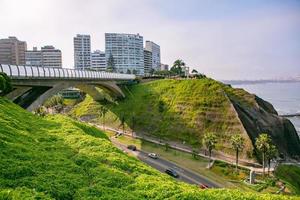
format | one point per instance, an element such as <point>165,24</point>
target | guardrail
<point>25,72</point>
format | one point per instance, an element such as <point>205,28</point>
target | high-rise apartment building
<point>51,57</point>
<point>82,51</point>
<point>147,61</point>
<point>127,51</point>
<point>98,60</point>
<point>12,51</point>
<point>155,50</point>
<point>48,56</point>
<point>33,58</point>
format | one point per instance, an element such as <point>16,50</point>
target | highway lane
<point>162,164</point>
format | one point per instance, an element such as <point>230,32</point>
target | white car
<point>153,155</point>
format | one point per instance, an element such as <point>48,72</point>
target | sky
<point>224,39</point>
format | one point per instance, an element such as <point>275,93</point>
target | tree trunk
<point>209,151</point>
<point>104,122</point>
<point>237,160</point>
<point>269,163</point>
<point>263,157</point>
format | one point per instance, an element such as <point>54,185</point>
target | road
<point>161,165</point>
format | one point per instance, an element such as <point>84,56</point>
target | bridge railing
<point>21,72</point>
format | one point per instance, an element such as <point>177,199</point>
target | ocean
<point>285,97</point>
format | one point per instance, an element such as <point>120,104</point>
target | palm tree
<point>103,111</point>
<point>177,67</point>
<point>194,71</point>
<point>237,142</point>
<point>270,154</point>
<point>123,123</point>
<point>262,143</point>
<point>209,141</point>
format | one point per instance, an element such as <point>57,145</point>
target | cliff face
<point>263,118</point>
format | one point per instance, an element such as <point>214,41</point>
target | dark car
<point>131,147</point>
<point>172,172</point>
<point>203,186</point>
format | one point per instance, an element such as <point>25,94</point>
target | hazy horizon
<point>223,39</point>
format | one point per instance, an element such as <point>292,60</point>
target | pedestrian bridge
<point>33,85</point>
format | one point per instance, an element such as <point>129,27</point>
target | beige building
<point>12,51</point>
<point>48,56</point>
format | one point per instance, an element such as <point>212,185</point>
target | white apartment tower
<point>98,60</point>
<point>127,51</point>
<point>155,49</point>
<point>82,51</point>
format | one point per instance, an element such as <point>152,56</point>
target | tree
<point>263,143</point>
<point>151,71</point>
<point>134,72</point>
<point>209,141</point>
<point>132,123</point>
<point>237,142</point>
<point>103,111</point>
<point>123,123</point>
<point>177,67</point>
<point>111,64</point>
<point>194,71</point>
<point>271,153</point>
<point>167,146</point>
<point>5,84</point>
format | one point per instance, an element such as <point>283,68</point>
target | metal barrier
<point>23,72</point>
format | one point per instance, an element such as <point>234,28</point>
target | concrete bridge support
<point>19,91</point>
<point>47,89</point>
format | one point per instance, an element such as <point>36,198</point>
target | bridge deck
<point>25,72</point>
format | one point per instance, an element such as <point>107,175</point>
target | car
<point>118,133</point>
<point>153,155</point>
<point>203,186</point>
<point>131,147</point>
<point>172,172</point>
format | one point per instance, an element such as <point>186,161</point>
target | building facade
<point>164,67</point>
<point>155,50</point>
<point>98,60</point>
<point>51,57</point>
<point>12,51</point>
<point>127,52</point>
<point>33,58</point>
<point>48,56</point>
<point>82,51</point>
<point>147,62</point>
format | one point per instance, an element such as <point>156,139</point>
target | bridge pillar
<point>19,91</point>
<point>49,93</point>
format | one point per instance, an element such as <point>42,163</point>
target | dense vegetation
<point>58,158</point>
<point>290,174</point>
<point>180,110</point>
<point>5,84</point>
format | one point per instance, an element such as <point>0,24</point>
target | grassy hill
<point>58,158</point>
<point>174,109</point>
<point>183,110</point>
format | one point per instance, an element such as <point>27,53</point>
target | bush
<point>5,84</point>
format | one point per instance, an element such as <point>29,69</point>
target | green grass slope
<point>58,158</point>
<point>180,110</point>
<point>290,174</point>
